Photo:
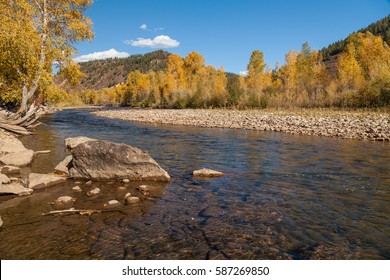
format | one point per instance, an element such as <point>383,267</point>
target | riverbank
<point>349,125</point>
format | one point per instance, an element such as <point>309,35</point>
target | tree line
<point>361,79</point>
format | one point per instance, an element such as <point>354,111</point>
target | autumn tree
<point>35,34</point>
<point>364,69</point>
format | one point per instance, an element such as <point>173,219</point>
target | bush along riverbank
<point>349,125</point>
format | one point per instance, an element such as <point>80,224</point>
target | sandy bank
<point>350,125</point>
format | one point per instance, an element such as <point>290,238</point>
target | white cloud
<point>146,28</point>
<point>159,42</point>
<point>244,73</point>
<point>111,53</point>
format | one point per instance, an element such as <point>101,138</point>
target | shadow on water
<point>283,197</point>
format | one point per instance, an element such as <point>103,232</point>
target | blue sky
<point>224,32</point>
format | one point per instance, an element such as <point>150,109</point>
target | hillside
<point>109,72</point>
<point>379,28</point>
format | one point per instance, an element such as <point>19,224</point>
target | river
<point>283,197</point>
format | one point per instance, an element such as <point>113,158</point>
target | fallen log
<point>14,128</point>
<point>16,123</point>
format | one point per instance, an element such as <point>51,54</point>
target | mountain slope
<point>379,28</point>
<point>109,72</point>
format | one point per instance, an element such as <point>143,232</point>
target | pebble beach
<point>349,125</point>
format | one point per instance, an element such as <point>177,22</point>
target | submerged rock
<point>64,202</point>
<point>21,158</point>
<point>39,181</point>
<point>93,192</point>
<point>103,160</point>
<point>77,189</point>
<point>120,193</point>
<point>205,172</point>
<point>1,222</point>
<point>113,203</point>
<point>132,200</point>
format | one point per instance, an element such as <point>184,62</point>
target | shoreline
<point>371,126</point>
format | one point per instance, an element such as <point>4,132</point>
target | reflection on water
<point>283,197</point>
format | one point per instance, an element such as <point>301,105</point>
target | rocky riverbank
<point>350,125</point>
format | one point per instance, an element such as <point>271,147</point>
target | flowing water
<point>283,197</point>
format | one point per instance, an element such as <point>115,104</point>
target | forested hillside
<point>109,72</point>
<point>379,28</point>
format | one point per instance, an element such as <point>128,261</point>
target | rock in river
<point>1,222</point>
<point>207,173</point>
<point>63,167</point>
<point>64,202</point>
<point>14,188</point>
<point>39,181</point>
<point>103,160</point>
<point>132,200</point>
<point>22,158</point>
<point>93,192</point>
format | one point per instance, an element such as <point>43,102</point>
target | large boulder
<point>71,143</point>
<point>39,181</point>
<point>103,160</point>
<point>21,158</point>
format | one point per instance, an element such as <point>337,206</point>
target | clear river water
<point>282,197</point>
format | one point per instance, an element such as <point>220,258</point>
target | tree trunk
<point>19,124</point>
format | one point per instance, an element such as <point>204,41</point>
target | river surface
<point>283,197</point>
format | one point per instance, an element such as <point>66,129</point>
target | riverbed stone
<point>93,192</point>
<point>77,189</point>
<point>205,172</point>
<point>120,193</point>
<point>71,143</point>
<point>104,160</point>
<point>10,170</point>
<point>113,203</point>
<point>22,158</point>
<point>132,200</point>
<point>63,167</point>
<point>39,181</point>
<point>64,202</point>
<point>14,188</point>
<point>1,222</point>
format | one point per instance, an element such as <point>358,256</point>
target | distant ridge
<point>112,71</point>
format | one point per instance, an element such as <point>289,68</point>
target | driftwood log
<point>22,125</point>
<point>72,211</point>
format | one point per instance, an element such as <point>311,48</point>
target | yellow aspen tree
<point>35,34</point>
<point>349,72</point>
<point>255,71</point>
<point>175,67</point>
